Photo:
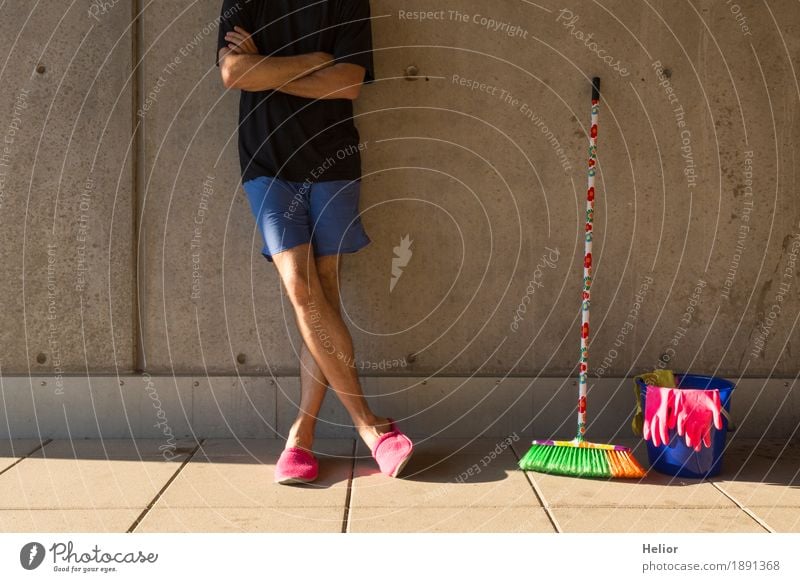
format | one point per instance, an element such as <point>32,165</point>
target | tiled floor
<point>450,485</point>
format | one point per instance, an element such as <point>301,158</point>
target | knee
<point>307,299</point>
<point>299,290</point>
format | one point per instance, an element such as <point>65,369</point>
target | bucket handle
<point>728,417</point>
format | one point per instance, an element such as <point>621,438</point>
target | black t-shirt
<point>292,137</point>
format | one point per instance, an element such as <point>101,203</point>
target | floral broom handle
<point>587,264</point>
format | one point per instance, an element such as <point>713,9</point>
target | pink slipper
<point>296,465</point>
<point>392,451</point>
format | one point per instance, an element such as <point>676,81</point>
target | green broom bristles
<point>579,458</point>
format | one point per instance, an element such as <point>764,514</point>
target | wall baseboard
<point>145,406</point>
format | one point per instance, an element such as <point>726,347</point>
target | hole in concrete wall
<point>241,358</point>
<point>41,358</point>
<point>40,69</point>
<point>411,73</point>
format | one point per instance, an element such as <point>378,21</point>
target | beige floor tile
<point>12,450</point>
<point>642,520</point>
<point>780,519</point>
<point>443,479</point>
<point>450,485</point>
<point>67,520</point>
<point>240,519</point>
<point>451,520</point>
<point>654,490</point>
<point>229,474</point>
<point>762,474</point>
<point>62,483</point>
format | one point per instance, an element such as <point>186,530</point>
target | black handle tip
<point>596,89</point>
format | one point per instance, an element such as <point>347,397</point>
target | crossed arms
<point>311,75</point>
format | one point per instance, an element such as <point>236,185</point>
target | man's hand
<point>241,42</point>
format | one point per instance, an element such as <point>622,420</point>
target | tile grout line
<point>41,446</point>
<point>349,495</point>
<point>741,506</point>
<point>539,495</point>
<point>155,499</point>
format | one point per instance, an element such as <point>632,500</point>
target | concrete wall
<point>128,245</point>
<point>66,217</point>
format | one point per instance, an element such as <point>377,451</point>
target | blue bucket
<point>675,458</point>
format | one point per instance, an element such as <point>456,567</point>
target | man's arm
<point>250,72</point>
<point>339,81</point>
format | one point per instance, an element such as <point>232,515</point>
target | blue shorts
<point>289,214</point>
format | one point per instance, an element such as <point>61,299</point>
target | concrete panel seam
<point>158,496</point>
<point>741,506</point>
<point>539,495</point>
<point>349,496</point>
<point>27,455</point>
<point>137,174</point>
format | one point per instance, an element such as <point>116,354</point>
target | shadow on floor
<point>767,462</point>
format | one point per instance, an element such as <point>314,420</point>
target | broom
<point>578,457</point>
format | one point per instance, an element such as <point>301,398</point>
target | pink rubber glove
<point>659,414</point>
<point>695,411</point>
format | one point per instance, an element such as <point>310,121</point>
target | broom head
<point>578,458</point>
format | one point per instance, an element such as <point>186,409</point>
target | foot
<point>392,451</point>
<point>372,430</point>
<point>296,465</point>
<point>301,436</point>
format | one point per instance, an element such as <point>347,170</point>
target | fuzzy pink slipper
<point>392,451</point>
<point>296,465</point>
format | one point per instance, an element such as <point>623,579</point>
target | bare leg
<point>313,384</point>
<point>327,337</point>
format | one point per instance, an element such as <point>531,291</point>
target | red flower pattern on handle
<point>587,263</point>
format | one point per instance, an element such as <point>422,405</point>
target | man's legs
<point>327,338</point>
<point>313,384</point>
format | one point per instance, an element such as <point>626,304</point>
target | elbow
<point>228,78</point>
<point>352,92</point>
<point>353,77</point>
<point>227,70</point>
